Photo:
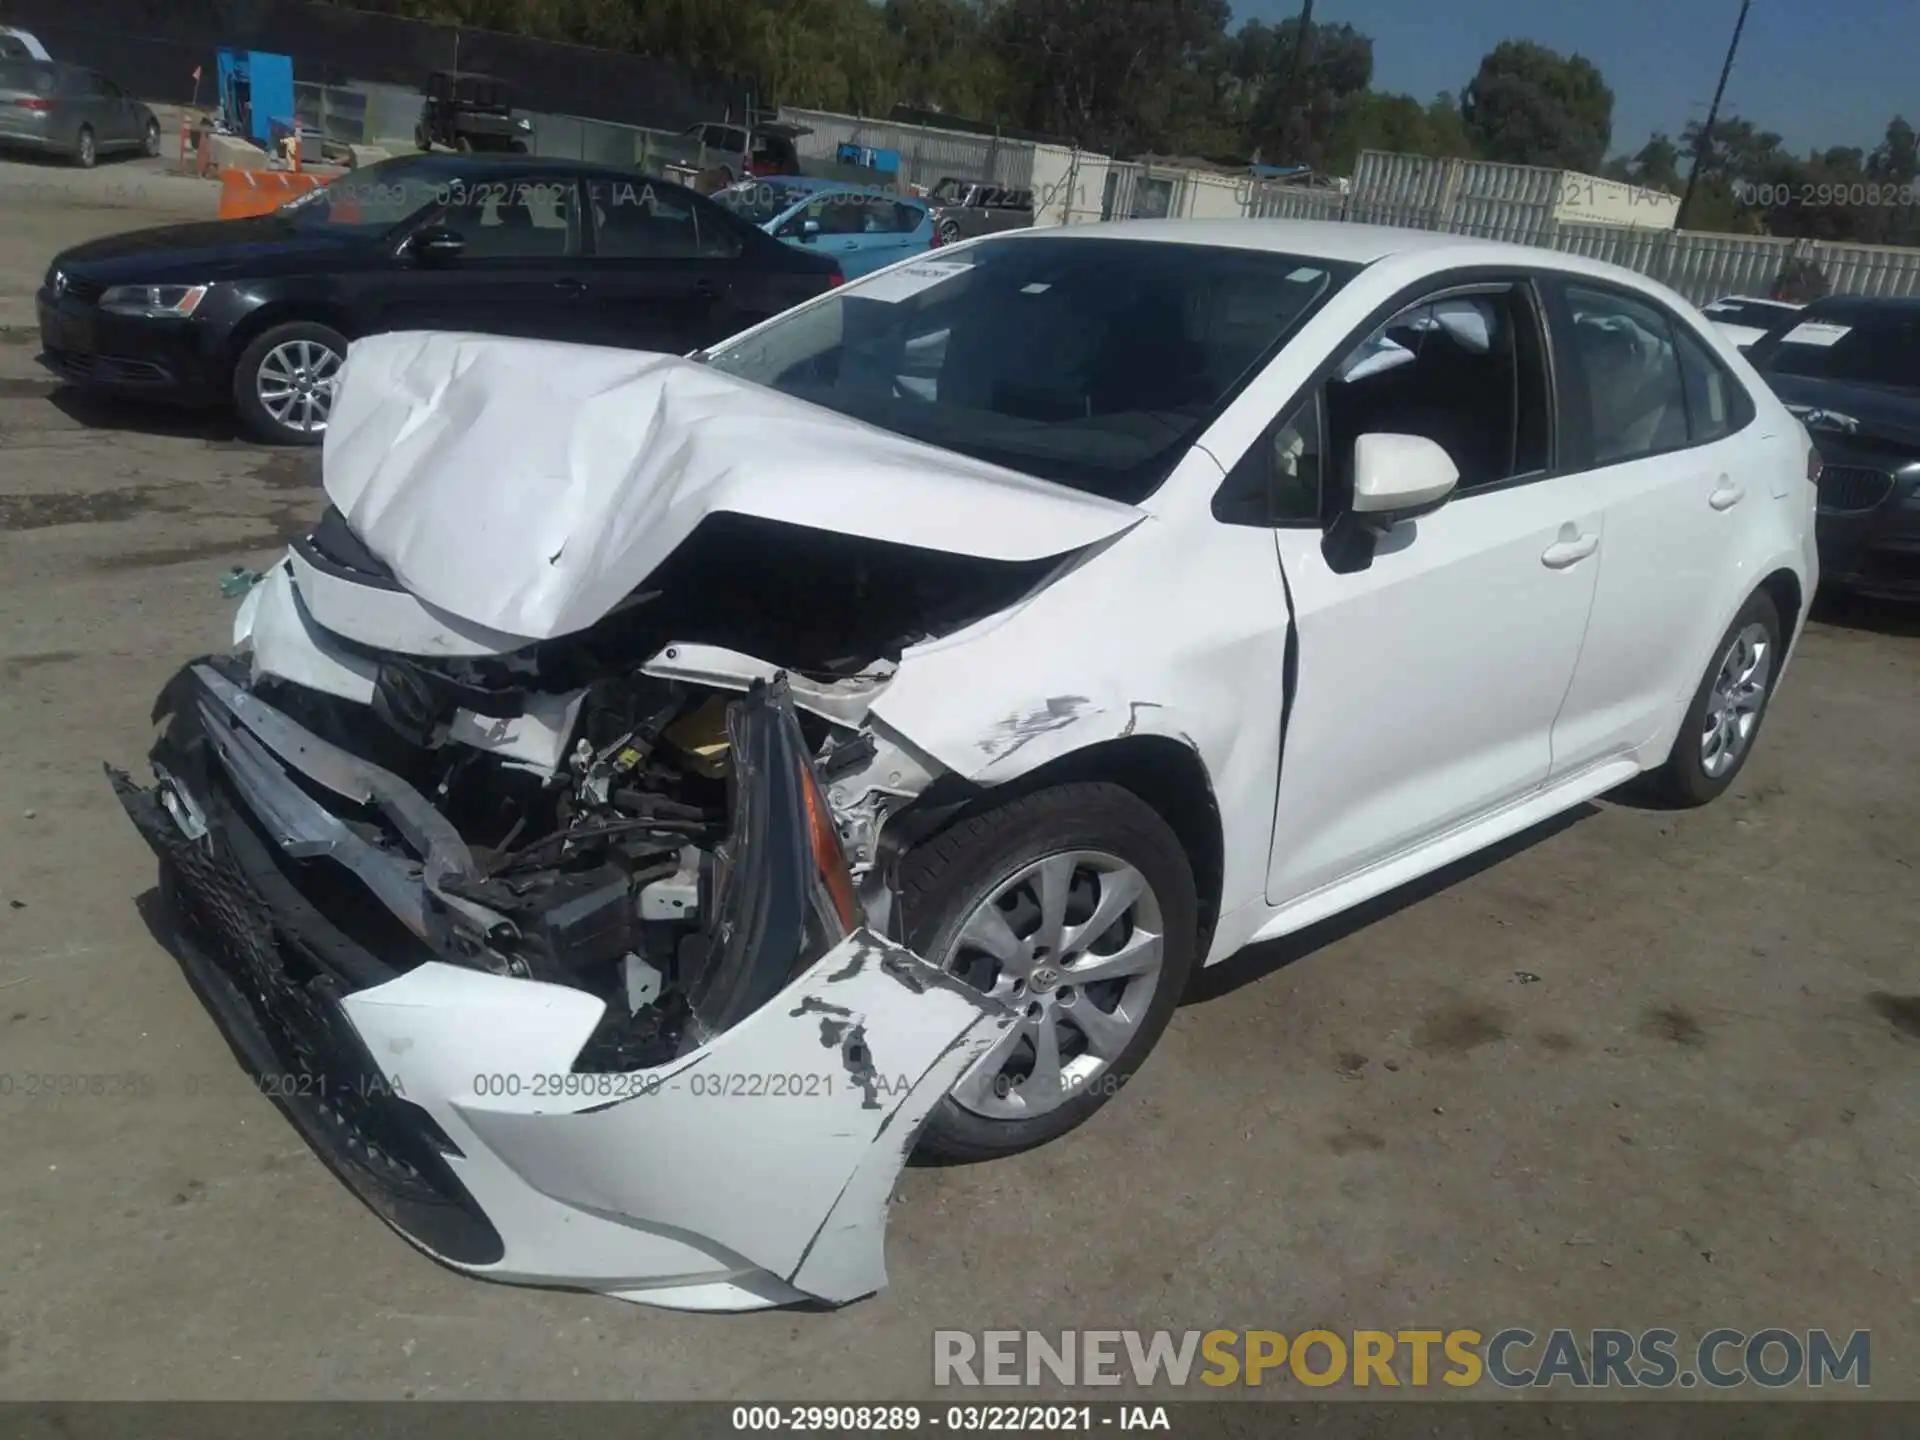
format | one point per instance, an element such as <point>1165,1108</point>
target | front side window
<point>1465,371</point>
<point>1625,351</point>
<point>1091,362</point>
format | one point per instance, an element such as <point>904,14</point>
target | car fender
<point>1111,650</point>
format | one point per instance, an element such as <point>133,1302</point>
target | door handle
<point>1727,495</point>
<point>569,286</point>
<point>1569,550</point>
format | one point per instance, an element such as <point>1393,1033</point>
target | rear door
<point>1675,456</point>
<point>119,124</point>
<point>518,273</point>
<point>661,267</point>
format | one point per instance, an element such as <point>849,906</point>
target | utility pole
<point>1292,114</point>
<point>1705,142</point>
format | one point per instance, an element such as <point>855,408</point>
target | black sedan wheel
<point>284,384</point>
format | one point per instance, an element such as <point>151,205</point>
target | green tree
<point>1532,106</point>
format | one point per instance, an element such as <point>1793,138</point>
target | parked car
<point>1744,319</point>
<point>734,152</point>
<point>466,111</point>
<point>259,312</point>
<point>892,709</point>
<point>861,227</point>
<point>1850,369</point>
<point>68,110</point>
<point>963,209</point>
<point>17,44</point>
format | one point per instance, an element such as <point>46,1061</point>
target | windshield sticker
<point>1813,332</point>
<point>905,281</point>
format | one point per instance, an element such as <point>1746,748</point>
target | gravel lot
<point>1643,1069</point>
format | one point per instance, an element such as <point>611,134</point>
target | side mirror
<point>809,230</point>
<point>436,245</point>
<point>1396,477</point>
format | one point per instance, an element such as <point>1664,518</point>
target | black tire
<point>949,232</point>
<point>85,152</point>
<point>1683,780</point>
<point>944,879</point>
<point>518,147</point>
<point>421,140</point>
<point>463,143</point>
<point>257,420</point>
<point>151,138</point>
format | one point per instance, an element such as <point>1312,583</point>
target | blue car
<point>864,228</point>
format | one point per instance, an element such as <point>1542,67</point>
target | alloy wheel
<point>296,383</point>
<point>1073,944</point>
<point>1733,707</point>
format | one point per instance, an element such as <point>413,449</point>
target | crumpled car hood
<point>530,486</point>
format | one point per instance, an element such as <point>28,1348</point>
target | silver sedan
<point>68,110</point>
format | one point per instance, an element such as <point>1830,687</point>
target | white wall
<point>1591,200</point>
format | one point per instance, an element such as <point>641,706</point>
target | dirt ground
<point>1642,1070</point>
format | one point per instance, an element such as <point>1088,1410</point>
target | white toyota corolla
<point>663,794</point>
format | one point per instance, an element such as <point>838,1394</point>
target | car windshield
<point>1848,348</point>
<point>1089,362</point>
<point>372,199</point>
<point>759,202</point>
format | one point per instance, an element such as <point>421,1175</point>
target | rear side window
<point>1717,404</point>
<point>640,221</point>
<point>1629,371</point>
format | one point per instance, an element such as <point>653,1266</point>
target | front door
<point>1667,431</point>
<point>1428,678</point>
<point>518,271</point>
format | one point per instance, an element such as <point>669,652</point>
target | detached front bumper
<point>751,1171</point>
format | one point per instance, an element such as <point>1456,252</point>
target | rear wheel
<point>1075,908</point>
<point>1724,719</point>
<point>84,153</point>
<point>284,384</point>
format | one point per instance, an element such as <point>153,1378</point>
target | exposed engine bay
<point>617,868</point>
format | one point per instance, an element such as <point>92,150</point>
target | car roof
<point>1868,307</point>
<point>1338,240</point>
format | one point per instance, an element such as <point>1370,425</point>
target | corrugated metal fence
<point>1699,265</point>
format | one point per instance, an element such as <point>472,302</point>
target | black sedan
<point>259,312</point>
<point>1849,367</point>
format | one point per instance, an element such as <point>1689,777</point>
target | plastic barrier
<point>256,192</point>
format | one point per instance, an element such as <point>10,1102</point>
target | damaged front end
<point>615,1014</point>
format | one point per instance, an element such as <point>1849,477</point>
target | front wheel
<point>1075,908</point>
<point>283,385</point>
<point>150,140</point>
<point>1724,719</point>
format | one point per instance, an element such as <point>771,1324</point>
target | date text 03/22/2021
<point>959,1419</point>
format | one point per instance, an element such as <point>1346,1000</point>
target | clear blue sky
<point>1820,74</point>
